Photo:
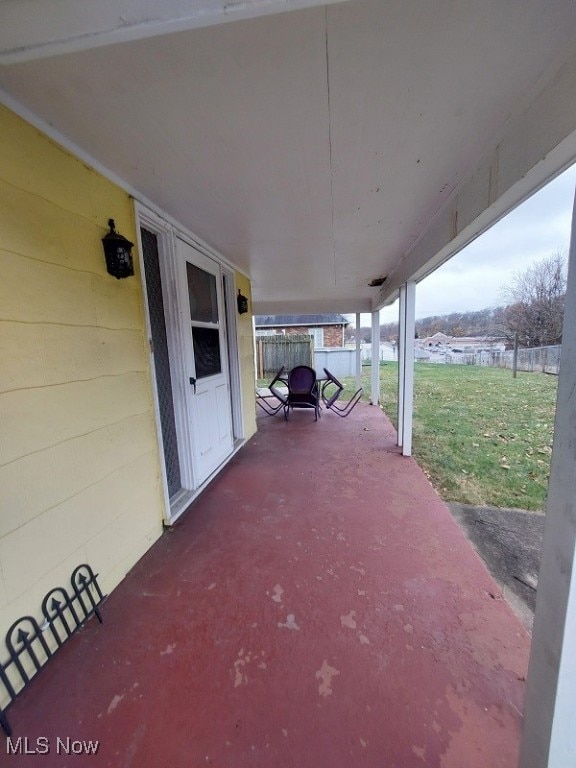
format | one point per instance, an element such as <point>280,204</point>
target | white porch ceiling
<point>34,29</point>
<point>315,149</point>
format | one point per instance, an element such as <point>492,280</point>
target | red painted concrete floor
<point>317,607</point>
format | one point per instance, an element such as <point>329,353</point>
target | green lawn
<point>481,436</point>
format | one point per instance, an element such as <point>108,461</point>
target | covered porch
<point>317,606</point>
<point>308,156</point>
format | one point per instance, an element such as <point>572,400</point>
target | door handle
<point>193,382</point>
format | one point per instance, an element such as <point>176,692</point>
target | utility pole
<point>515,356</point>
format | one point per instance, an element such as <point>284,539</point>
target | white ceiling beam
<point>308,306</point>
<point>36,29</point>
<point>538,144</point>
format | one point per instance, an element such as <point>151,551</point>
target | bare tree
<point>536,308</point>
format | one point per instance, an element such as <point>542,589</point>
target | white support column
<point>358,352</point>
<point>549,738</point>
<point>406,366</point>
<point>400,411</point>
<point>375,389</point>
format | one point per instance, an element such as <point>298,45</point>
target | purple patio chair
<point>329,398</point>
<point>302,390</point>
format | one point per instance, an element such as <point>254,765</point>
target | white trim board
<point>52,133</point>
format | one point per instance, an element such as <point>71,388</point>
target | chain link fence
<point>536,360</point>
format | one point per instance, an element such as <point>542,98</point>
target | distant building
<point>442,343</point>
<point>326,330</point>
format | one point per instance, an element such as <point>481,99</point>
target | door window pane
<point>202,293</point>
<point>206,351</point>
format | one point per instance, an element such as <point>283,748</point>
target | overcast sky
<point>473,279</point>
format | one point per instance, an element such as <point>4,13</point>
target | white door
<point>209,403</point>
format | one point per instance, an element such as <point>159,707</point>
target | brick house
<point>327,330</point>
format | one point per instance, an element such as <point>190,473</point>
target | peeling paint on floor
<point>114,703</point>
<point>349,620</point>
<point>168,650</point>
<point>240,676</point>
<point>290,622</point>
<point>325,674</point>
<point>420,752</point>
<point>277,593</point>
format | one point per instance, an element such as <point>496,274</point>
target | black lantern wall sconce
<point>117,250</point>
<point>242,303</point>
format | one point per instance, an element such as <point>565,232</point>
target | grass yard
<point>481,436</point>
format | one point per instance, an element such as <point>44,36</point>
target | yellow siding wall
<point>246,353</point>
<point>79,471</point>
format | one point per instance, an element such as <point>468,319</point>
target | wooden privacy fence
<point>273,352</point>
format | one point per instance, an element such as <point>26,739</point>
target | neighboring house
<point>326,330</point>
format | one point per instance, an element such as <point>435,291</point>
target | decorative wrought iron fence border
<point>28,649</point>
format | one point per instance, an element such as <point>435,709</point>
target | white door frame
<point>168,233</point>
